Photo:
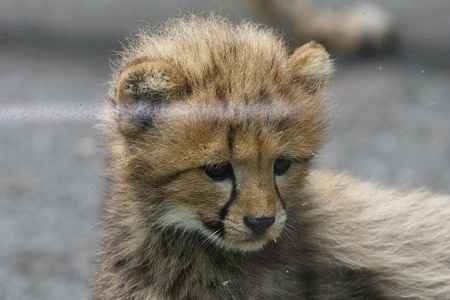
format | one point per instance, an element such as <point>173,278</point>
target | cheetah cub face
<point>222,154</point>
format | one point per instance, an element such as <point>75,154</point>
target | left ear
<point>311,67</point>
<point>143,86</point>
<point>149,81</point>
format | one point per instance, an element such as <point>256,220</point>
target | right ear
<point>149,81</point>
<point>312,67</point>
<point>142,88</point>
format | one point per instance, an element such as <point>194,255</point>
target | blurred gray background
<point>391,122</point>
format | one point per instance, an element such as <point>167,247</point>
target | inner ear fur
<point>311,67</point>
<point>147,80</point>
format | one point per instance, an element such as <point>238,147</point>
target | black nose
<point>259,225</point>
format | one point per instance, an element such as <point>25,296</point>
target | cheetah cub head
<point>214,134</point>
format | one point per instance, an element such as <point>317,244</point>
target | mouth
<point>247,242</point>
<point>251,244</point>
<point>239,237</point>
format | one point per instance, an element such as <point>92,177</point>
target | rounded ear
<point>149,81</point>
<point>143,87</point>
<point>311,67</point>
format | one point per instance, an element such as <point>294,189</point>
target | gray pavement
<point>391,124</point>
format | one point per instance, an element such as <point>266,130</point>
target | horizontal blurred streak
<point>31,113</point>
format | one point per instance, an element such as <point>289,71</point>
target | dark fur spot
<point>282,123</point>
<point>308,280</point>
<point>191,297</point>
<point>221,92</point>
<point>180,279</point>
<point>215,226</point>
<point>120,264</point>
<point>213,283</point>
<point>164,246</point>
<point>220,261</point>
<point>149,279</point>
<point>188,90</point>
<point>230,137</point>
<point>360,285</point>
<point>143,116</point>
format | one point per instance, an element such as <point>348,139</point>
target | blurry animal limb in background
<point>361,29</point>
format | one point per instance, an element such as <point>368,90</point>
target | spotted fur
<point>211,131</point>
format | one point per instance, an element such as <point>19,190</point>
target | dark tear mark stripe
<point>224,211</point>
<point>216,226</point>
<point>278,193</point>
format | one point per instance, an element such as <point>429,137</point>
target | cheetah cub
<point>211,129</point>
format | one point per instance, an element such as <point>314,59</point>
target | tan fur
<point>211,131</point>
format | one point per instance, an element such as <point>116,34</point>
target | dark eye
<point>219,172</point>
<point>281,165</point>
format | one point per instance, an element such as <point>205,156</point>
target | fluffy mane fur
<point>211,129</point>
